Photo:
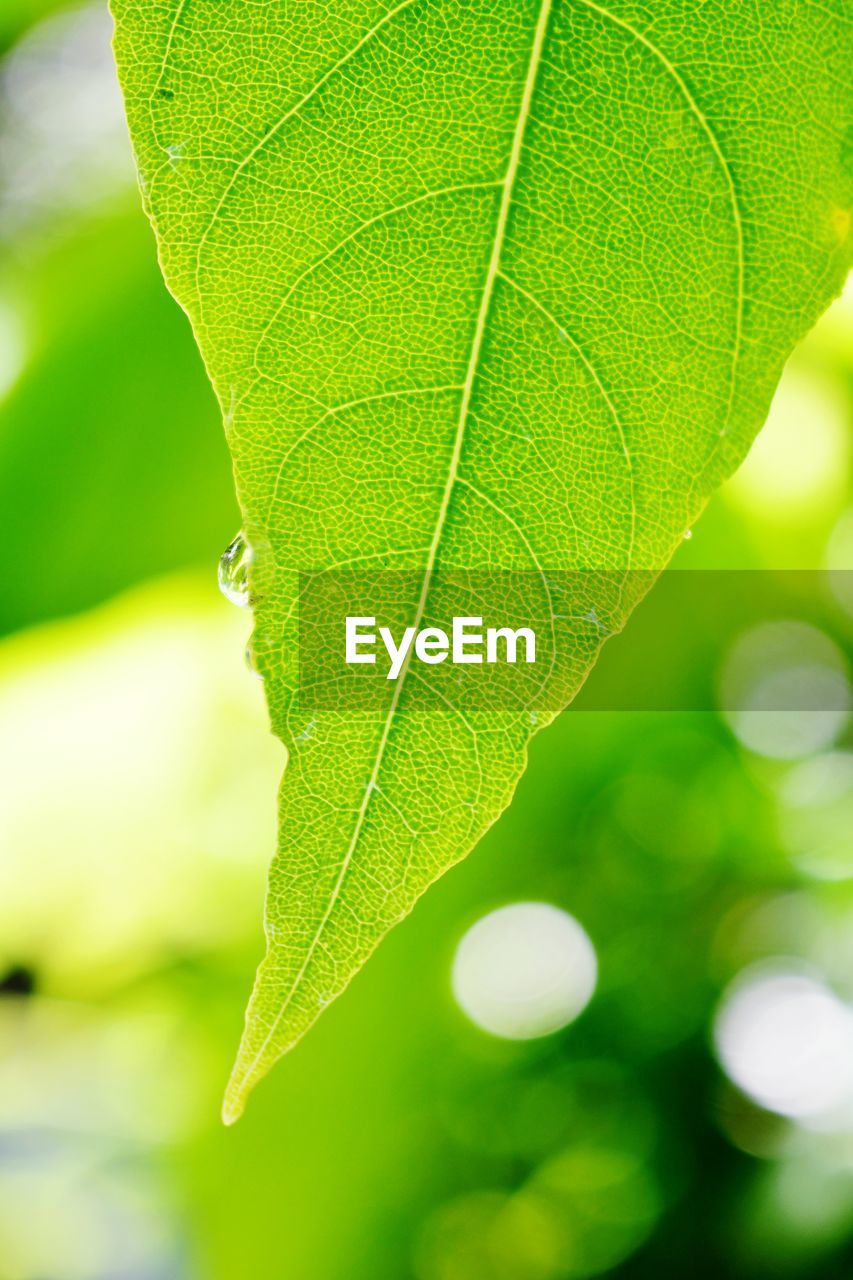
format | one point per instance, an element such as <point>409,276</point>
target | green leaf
<point>484,284</point>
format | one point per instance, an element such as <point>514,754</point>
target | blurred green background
<point>696,1118</point>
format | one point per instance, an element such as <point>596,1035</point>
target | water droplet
<point>234,566</point>
<point>688,534</point>
<point>251,663</point>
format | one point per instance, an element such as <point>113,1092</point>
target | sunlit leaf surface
<point>503,284</point>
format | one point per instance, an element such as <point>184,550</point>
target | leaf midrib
<point>450,484</point>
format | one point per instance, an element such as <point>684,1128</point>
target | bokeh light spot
<point>785,690</point>
<point>786,1040</point>
<point>816,814</point>
<point>63,139</point>
<point>525,970</point>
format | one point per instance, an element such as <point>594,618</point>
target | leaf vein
<point>363,226</point>
<point>605,395</point>
<point>725,167</point>
<point>274,129</point>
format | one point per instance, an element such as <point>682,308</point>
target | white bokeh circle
<point>525,970</point>
<point>786,1040</point>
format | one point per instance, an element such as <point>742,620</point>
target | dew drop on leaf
<point>251,661</point>
<point>234,571</point>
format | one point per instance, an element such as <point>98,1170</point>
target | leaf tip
<point>234,1102</point>
<point>232,1110</point>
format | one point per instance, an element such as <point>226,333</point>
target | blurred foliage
<point>136,818</point>
<point>112,462</point>
<point>112,465</point>
<point>18,15</point>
